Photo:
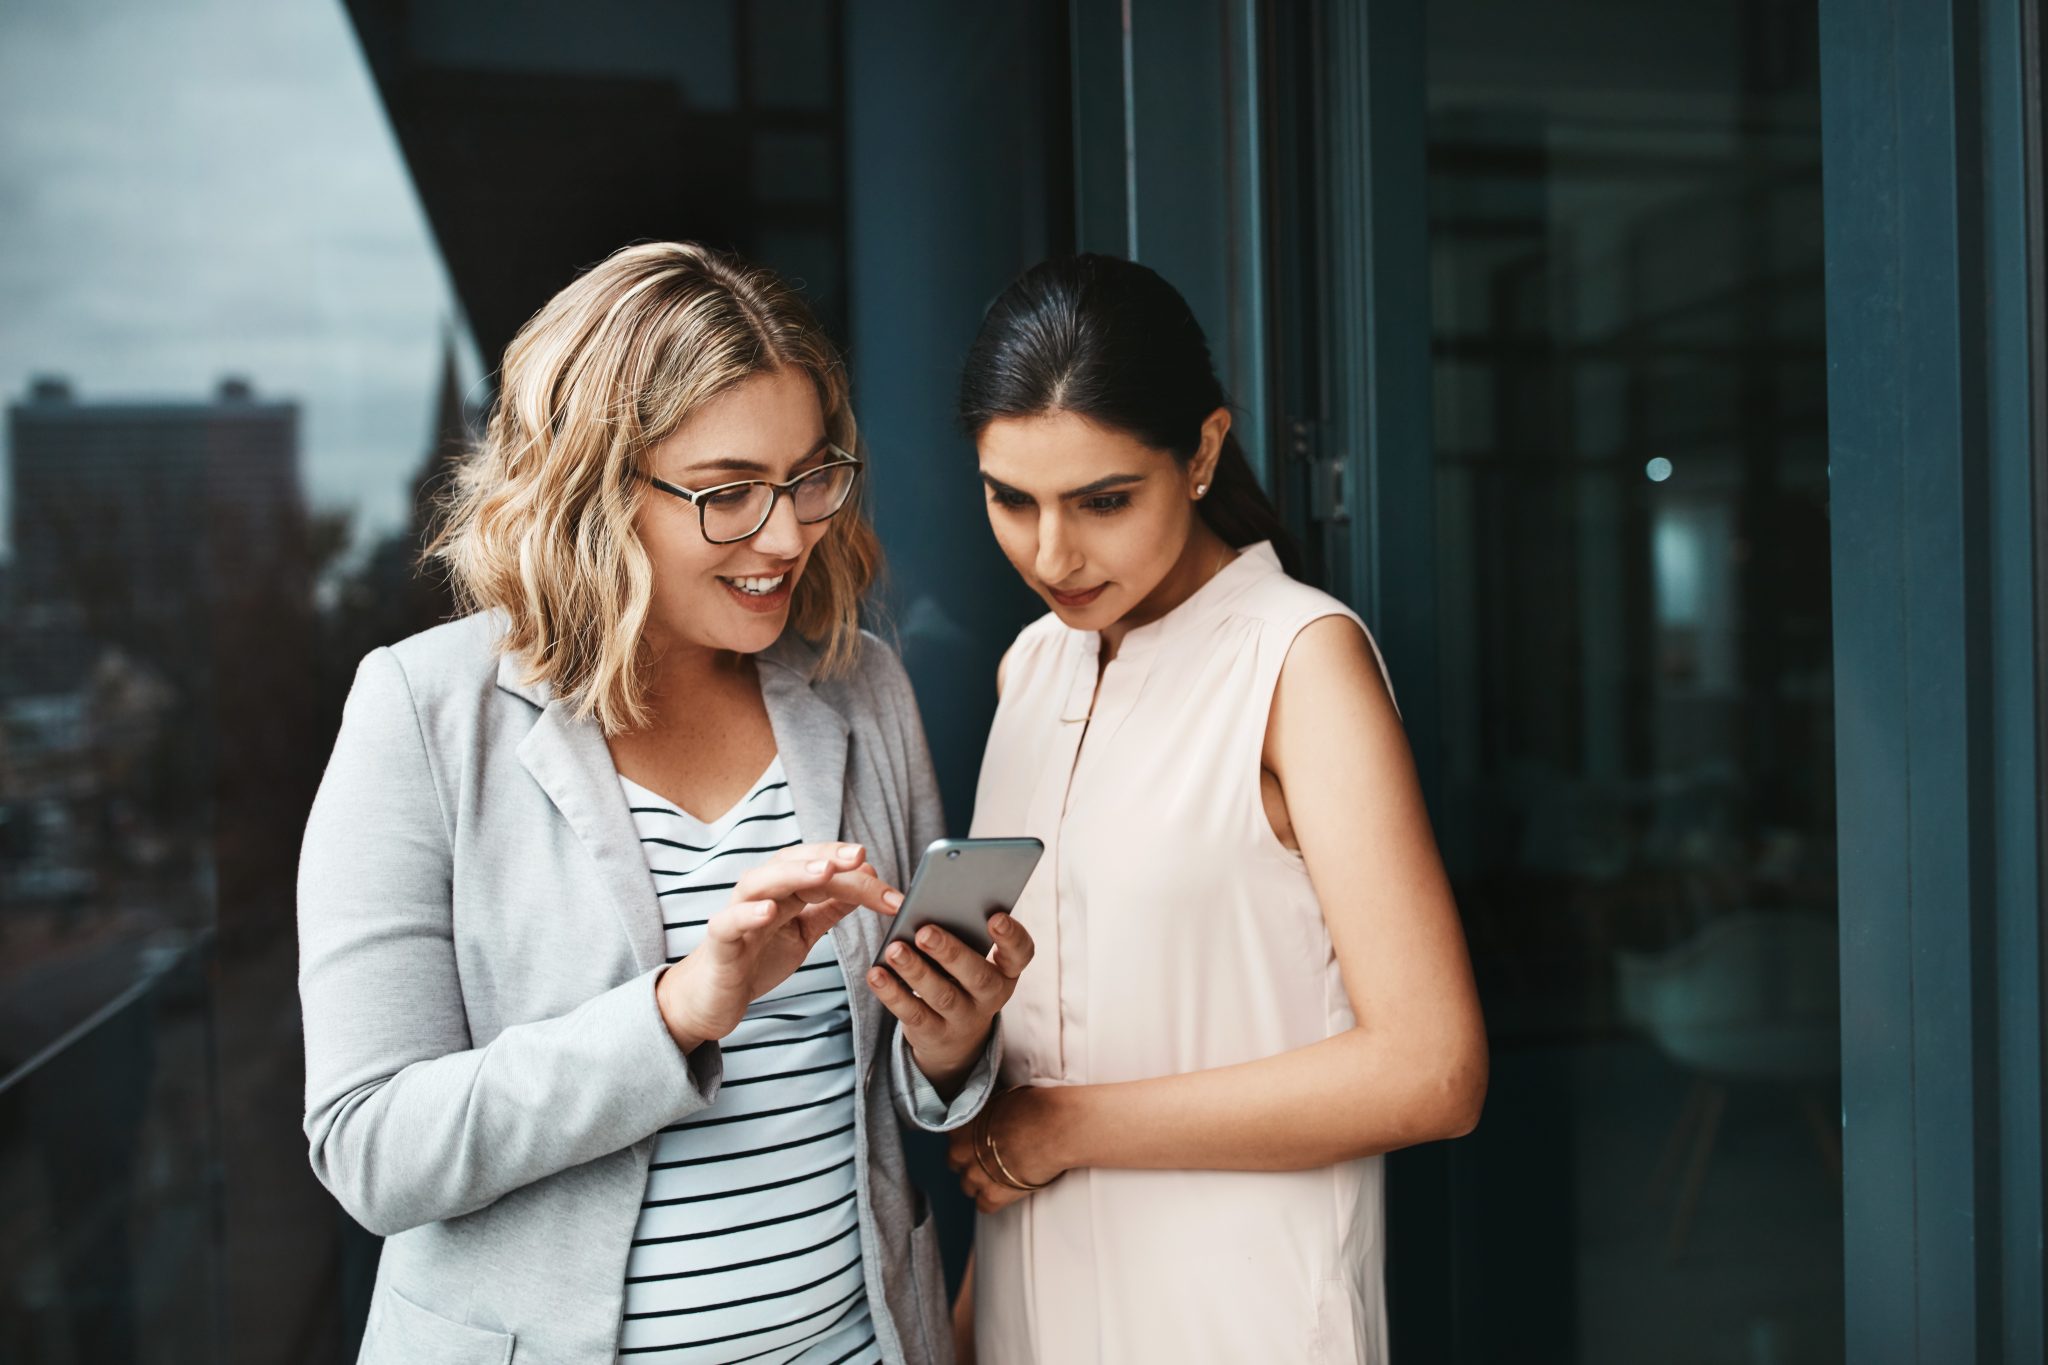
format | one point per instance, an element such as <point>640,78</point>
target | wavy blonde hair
<point>538,522</point>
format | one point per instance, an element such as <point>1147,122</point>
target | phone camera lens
<point>952,853</point>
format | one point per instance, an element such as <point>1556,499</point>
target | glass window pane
<point>230,355</point>
<point>256,265</point>
<point>1638,722</point>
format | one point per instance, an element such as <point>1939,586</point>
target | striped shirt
<point>748,1244</point>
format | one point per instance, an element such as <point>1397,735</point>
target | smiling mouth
<point>756,586</point>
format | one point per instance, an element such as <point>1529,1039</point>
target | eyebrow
<point>1101,485</point>
<point>735,465</point>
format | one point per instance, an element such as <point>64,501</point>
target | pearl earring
<point>1200,489</point>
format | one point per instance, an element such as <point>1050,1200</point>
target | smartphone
<point>959,884</point>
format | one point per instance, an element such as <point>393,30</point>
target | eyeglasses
<point>733,512</point>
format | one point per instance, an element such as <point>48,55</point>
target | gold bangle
<point>1012,1181</point>
<point>980,1159</point>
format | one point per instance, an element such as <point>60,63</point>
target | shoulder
<point>1043,638</point>
<point>413,705</point>
<point>872,687</point>
<point>879,672</point>
<point>1284,605</point>
<point>1318,644</point>
<point>1333,721</point>
<point>1333,647</point>
<point>438,685</point>
<point>1331,663</point>
<point>455,659</point>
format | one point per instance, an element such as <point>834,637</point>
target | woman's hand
<point>947,995</point>
<point>1011,1145</point>
<point>778,912</point>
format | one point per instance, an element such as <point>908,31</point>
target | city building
<point>129,516</point>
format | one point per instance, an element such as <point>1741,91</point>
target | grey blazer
<point>486,1069</point>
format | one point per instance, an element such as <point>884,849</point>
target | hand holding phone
<point>960,883</point>
<point>941,971</point>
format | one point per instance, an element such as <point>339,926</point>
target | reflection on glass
<point>242,247</point>
<point>229,356</point>
<point>1633,557</point>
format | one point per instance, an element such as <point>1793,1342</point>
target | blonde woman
<point>591,892</point>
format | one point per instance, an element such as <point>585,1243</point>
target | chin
<point>728,632</point>
<point>751,637</point>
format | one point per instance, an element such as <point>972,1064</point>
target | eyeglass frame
<point>841,459</point>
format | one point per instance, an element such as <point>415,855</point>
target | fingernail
<point>999,924</point>
<point>878,978</point>
<point>892,899</point>
<point>899,953</point>
<point>849,850</point>
<point>927,938</point>
<point>818,866</point>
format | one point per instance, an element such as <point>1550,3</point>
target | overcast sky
<point>209,187</point>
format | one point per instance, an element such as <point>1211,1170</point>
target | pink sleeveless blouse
<point>1175,933</point>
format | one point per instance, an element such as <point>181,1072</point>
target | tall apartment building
<point>130,513</point>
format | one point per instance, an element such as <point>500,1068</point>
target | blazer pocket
<point>401,1332</point>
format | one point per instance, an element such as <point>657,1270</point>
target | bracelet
<point>980,1141</point>
<point>985,1151</point>
<point>1012,1181</point>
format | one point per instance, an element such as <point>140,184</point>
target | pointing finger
<point>799,871</point>
<point>863,887</point>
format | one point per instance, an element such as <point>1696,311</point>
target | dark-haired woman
<point>1254,981</point>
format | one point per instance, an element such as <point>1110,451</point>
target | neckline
<point>1250,560</point>
<point>638,797</point>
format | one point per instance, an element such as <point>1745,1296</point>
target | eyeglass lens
<point>736,513</point>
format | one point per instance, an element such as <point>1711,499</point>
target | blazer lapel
<point>569,760</point>
<point>812,738</point>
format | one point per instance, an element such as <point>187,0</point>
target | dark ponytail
<point>1111,341</point>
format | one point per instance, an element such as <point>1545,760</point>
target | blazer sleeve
<point>406,1120</point>
<point>916,1100</point>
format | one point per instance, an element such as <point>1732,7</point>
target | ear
<point>1202,469</point>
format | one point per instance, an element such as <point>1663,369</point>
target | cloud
<point>212,187</point>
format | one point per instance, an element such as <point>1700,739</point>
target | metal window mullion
<point>1936,683</point>
<point>2012,288</point>
<point>1244,351</point>
<point>1865,319</point>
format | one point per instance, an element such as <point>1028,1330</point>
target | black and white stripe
<point>748,1244</point>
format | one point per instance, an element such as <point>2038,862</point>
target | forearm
<point>443,1136</point>
<point>1350,1096</point>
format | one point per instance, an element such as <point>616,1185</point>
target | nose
<point>783,535</point>
<point>1057,558</point>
